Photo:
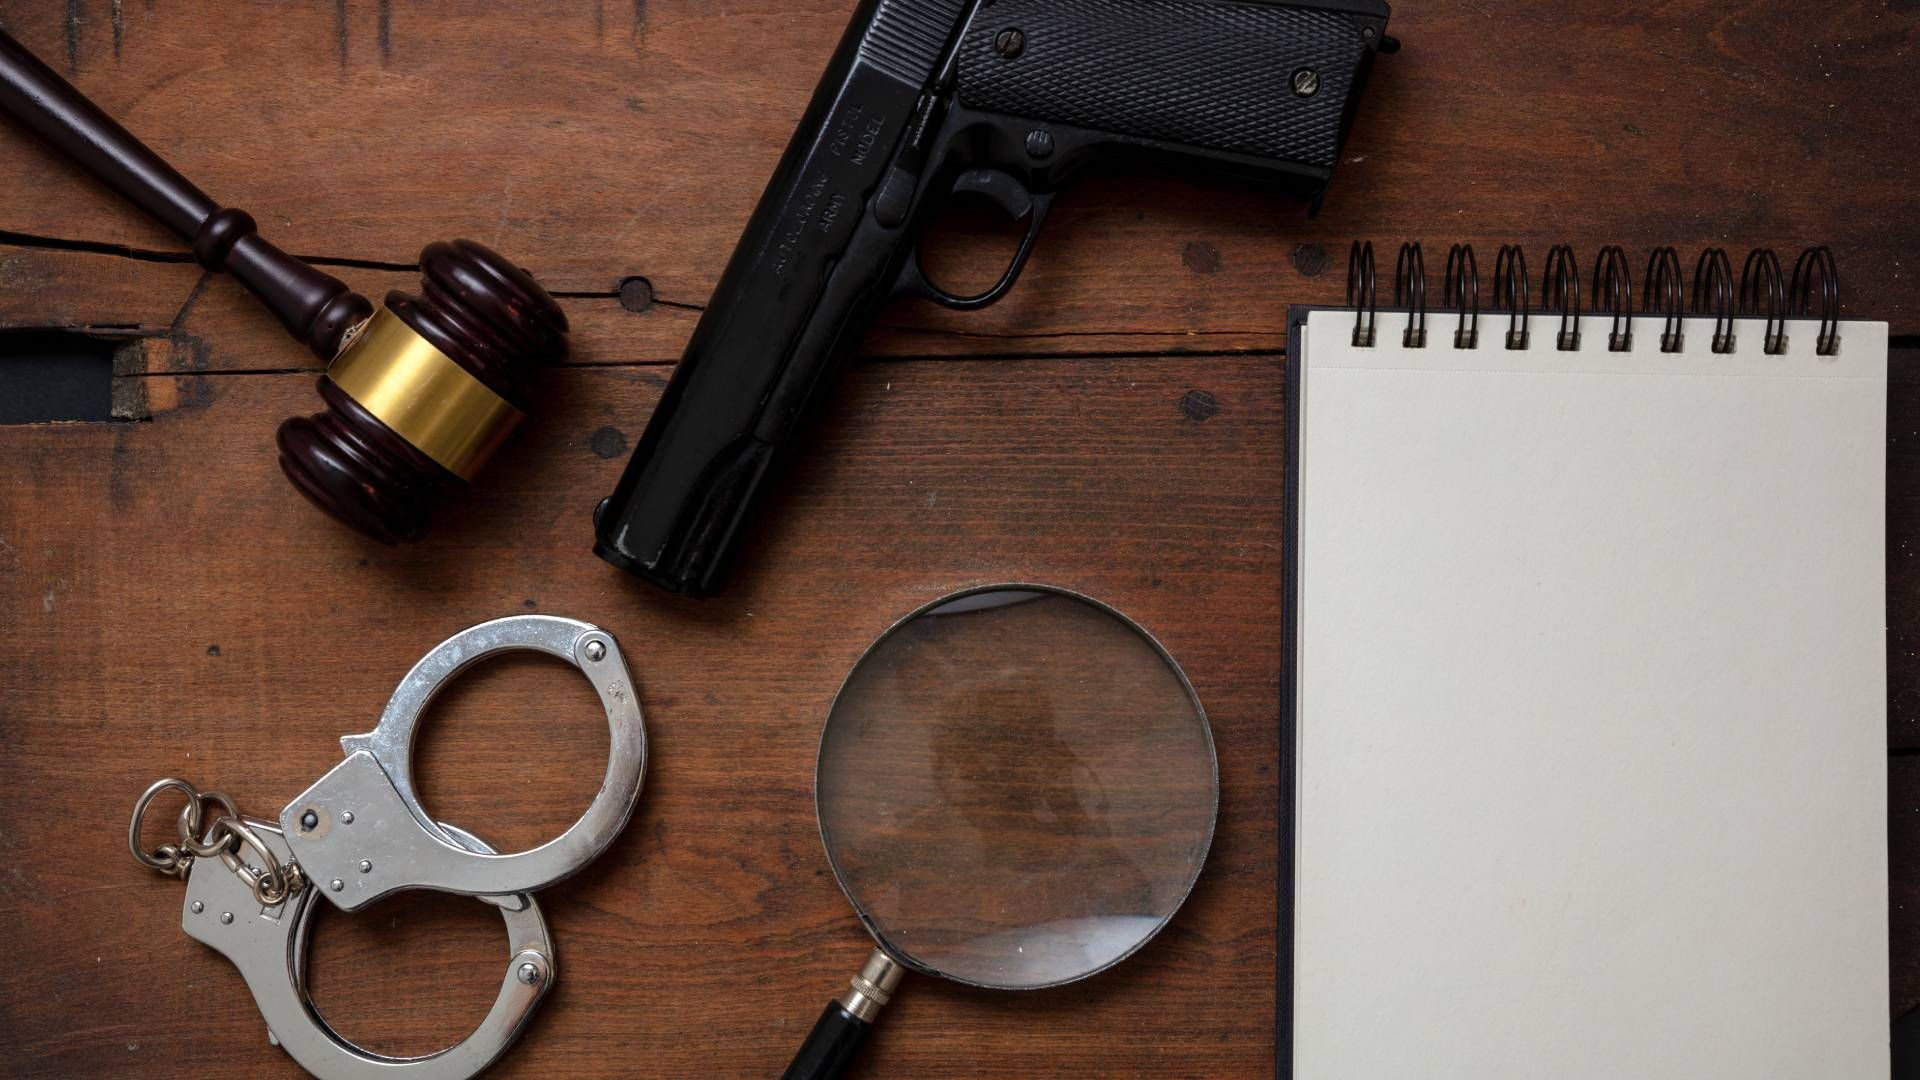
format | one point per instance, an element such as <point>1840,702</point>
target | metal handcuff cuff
<point>360,834</point>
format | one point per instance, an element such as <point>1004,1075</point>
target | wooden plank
<point>81,290</point>
<point>169,606</point>
<point>593,141</point>
<point>218,327</point>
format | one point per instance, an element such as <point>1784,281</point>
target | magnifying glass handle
<point>830,1047</point>
<point>843,1026</point>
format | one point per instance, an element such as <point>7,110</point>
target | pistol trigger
<point>998,188</point>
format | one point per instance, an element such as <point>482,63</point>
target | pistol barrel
<point>789,308</point>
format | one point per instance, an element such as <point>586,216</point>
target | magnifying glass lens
<point>1016,788</point>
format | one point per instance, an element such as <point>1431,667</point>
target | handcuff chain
<point>227,837</point>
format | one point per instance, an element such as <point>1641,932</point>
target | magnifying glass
<point>1016,789</point>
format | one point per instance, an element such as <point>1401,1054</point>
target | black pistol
<point>925,100</point>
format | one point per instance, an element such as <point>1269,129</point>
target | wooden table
<point>169,606</point>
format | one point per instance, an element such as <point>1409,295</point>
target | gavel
<point>419,393</point>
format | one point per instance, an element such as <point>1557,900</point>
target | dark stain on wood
<point>636,294</point>
<point>187,354</point>
<point>73,36</point>
<point>1199,405</point>
<point>1200,257</point>
<point>119,27</point>
<point>193,295</point>
<point>213,650</point>
<point>121,492</point>
<point>608,442</point>
<point>386,31</point>
<point>196,392</point>
<point>1310,259</point>
<point>340,41</point>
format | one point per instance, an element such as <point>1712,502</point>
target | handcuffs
<point>360,834</point>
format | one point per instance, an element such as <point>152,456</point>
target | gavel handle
<point>316,308</point>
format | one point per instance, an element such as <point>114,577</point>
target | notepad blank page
<point>1591,699</point>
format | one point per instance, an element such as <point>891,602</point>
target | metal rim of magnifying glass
<point>1206,730</point>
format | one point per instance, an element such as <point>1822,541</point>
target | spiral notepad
<point>1583,729</point>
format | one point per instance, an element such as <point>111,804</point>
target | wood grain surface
<point>595,141</point>
<point>169,606</point>
<point>144,641</point>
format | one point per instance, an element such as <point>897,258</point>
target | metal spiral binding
<point>1410,293</point>
<point>1765,291</point>
<point>1512,291</point>
<point>1361,293</point>
<point>1461,288</point>
<point>1761,281</point>
<point>1613,289</point>
<point>1713,295</point>
<point>1663,290</point>
<point>1818,260</point>
<point>1560,287</point>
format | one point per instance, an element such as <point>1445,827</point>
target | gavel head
<point>424,392</point>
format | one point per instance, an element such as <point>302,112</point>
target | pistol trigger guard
<point>1011,196</point>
